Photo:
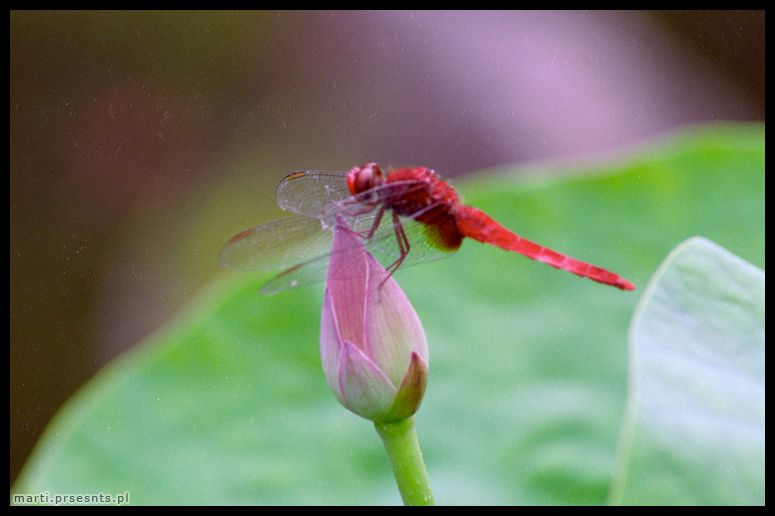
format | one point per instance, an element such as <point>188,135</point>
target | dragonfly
<point>404,216</point>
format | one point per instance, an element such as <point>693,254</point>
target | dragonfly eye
<point>364,177</point>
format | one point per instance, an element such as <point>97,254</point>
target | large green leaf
<point>694,432</point>
<point>227,404</point>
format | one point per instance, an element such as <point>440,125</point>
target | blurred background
<point>141,141</point>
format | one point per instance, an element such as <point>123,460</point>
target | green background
<point>528,365</point>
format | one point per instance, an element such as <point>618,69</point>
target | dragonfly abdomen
<point>475,224</point>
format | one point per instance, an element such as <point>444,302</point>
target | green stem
<point>405,456</point>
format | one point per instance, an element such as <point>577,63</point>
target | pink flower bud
<point>372,345</point>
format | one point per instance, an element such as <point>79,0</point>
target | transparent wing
<point>383,245</point>
<point>275,246</point>
<point>309,192</point>
<point>324,194</point>
<point>298,247</point>
<point>278,245</point>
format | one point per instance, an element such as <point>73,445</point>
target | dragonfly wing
<point>300,246</point>
<point>296,247</point>
<point>313,269</point>
<point>303,274</point>
<point>309,192</point>
<point>383,245</point>
<point>324,195</point>
<point>276,246</point>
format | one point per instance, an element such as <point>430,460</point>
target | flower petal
<point>346,282</point>
<point>365,388</point>
<point>330,345</point>
<point>393,329</point>
<point>411,391</point>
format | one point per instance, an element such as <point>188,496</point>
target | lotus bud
<point>372,345</point>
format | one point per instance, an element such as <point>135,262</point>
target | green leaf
<point>694,432</point>
<point>528,364</point>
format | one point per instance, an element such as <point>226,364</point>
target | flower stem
<point>403,450</point>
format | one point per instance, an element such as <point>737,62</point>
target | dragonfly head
<point>364,177</point>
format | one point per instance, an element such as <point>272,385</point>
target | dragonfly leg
<point>367,234</point>
<point>403,247</point>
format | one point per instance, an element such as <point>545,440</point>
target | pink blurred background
<point>141,141</point>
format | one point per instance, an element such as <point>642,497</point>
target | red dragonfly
<point>406,216</point>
